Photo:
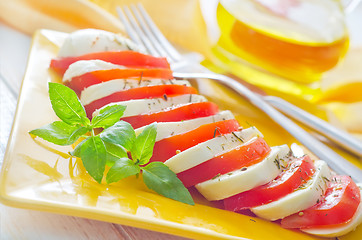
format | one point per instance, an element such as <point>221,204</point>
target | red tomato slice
<point>88,79</point>
<point>237,158</point>
<point>166,148</point>
<point>124,58</point>
<point>338,205</point>
<point>297,173</point>
<point>157,91</point>
<point>179,113</point>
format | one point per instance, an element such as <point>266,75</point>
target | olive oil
<point>276,46</point>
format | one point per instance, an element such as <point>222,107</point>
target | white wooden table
<point>28,224</point>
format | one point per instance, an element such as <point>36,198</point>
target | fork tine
<point>146,30</point>
<point>141,35</point>
<point>167,46</point>
<point>129,29</point>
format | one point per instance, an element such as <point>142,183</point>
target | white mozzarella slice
<point>107,88</point>
<point>94,40</point>
<point>143,106</point>
<point>300,199</point>
<point>340,229</point>
<point>242,180</point>
<point>168,129</point>
<point>297,150</point>
<point>207,150</point>
<point>85,66</point>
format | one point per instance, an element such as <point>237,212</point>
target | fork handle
<point>336,135</point>
<point>337,163</point>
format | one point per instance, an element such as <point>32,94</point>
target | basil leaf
<point>93,155</point>
<point>108,116</point>
<point>142,149</point>
<point>76,151</point>
<point>121,133</point>
<point>123,168</point>
<point>59,133</point>
<point>66,104</point>
<point>158,177</point>
<point>114,152</point>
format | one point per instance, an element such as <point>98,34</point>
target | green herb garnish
<point>111,146</point>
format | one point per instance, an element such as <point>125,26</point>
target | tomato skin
<point>298,173</point>
<point>237,158</point>
<point>125,58</point>
<point>337,206</point>
<point>179,113</point>
<point>158,91</point>
<point>166,148</point>
<point>81,82</point>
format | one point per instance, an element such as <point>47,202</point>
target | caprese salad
<point>204,146</point>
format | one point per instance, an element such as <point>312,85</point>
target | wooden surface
<point>28,224</point>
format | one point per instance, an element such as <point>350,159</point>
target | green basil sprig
<point>111,146</point>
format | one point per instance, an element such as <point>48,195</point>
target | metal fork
<point>158,45</point>
<point>144,32</point>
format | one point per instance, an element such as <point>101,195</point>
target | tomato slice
<point>78,83</point>
<point>157,91</point>
<point>337,206</point>
<point>297,173</point>
<point>166,148</point>
<point>178,113</point>
<point>240,157</point>
<point>124,58</point>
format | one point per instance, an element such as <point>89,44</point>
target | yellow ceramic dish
<point>39,175</point>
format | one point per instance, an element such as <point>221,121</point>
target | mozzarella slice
<point>341,229</point>
<point>81,67</point>
<point>168,129</point>
<point>143,106</point>
<point>107,88</point>
<point>241,180</point>
<point>297,150</point>
<point>207,150</point>
<point>94,40</point>
<point>299,200</point>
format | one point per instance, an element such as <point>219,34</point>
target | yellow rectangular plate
<point>39,175</point>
